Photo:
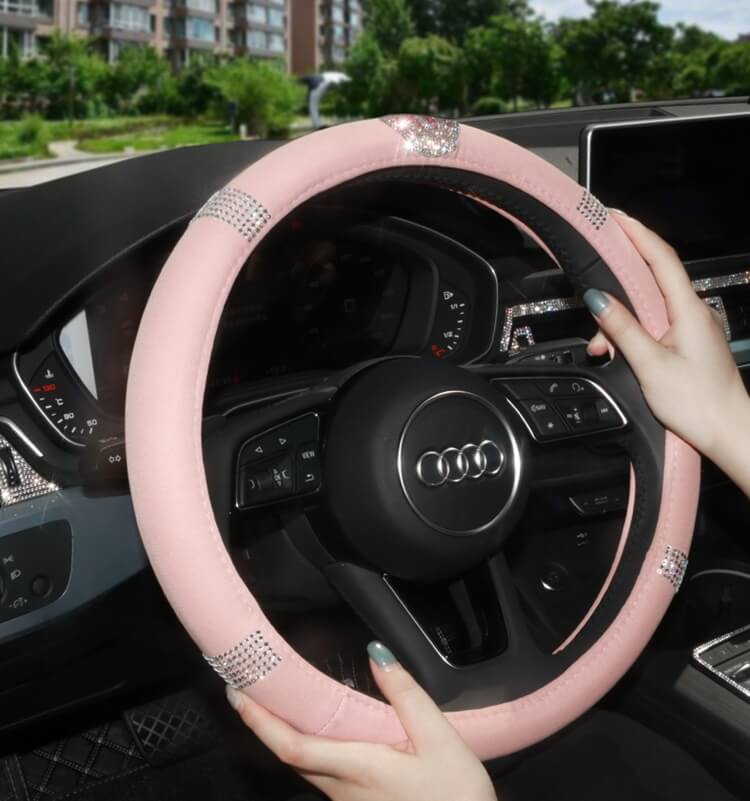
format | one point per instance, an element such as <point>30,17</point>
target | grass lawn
<point>15,145</point>
<point>29,138</point>
<point>160,137</point>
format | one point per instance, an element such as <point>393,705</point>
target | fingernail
<point>383,657</point>
<point>235,698</point>
<point>596,301</point>
<point>618,211</point>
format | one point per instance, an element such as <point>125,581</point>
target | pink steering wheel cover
<point>165,461</point>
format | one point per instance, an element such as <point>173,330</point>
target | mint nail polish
<point>383,657</point>
<point>596,301</point>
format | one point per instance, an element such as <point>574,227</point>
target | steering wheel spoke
<point>266,456</point>
<point>454,636</point>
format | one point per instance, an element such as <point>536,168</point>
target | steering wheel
<point>443,454</point>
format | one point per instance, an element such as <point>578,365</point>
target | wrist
<point>732,427</point>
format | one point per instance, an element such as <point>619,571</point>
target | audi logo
<point>454,465</point>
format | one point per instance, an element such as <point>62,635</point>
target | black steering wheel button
<point>561,388</point>
<point>606,413</point>
<point>543,419</point>
<point>308,468</point>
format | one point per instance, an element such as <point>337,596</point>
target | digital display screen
<point>686,179</point>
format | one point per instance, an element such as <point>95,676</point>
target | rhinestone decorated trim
<point>426,136</point>
<point>251,660</point>
<point>592,209</point>
<point>236,208</point>
<point>534,308</point>
<point>673,566</point>
<point>31,484</point>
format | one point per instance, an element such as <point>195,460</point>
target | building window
<point>276,43</point>
<point>129,18</point>
<point>209,6</point>
<point>338,54</point>
<point>337,14</point>
<point>339,33</point>
<point>83,13</point>
<point>256,13</point>
<point>196,28</point>
<point>256,40</point>
<point>355,19</point>
<point>276,17</point>
<point>26,8</point>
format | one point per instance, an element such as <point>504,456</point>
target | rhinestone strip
<point>721,281</point>
<point>592,209</point>
<point>32,484</point>
<point>536,307</point>
<point>249,661</point>
<point>716,302</point>
<point>701,649</point>
<point>673,566</point>
<point>426,136</point>
<point>236,208</point>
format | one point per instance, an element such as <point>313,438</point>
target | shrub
<point>488,105</point>
<point>32,132</point>
<point>267,97</point>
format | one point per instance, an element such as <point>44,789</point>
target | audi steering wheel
<point>444,454</point>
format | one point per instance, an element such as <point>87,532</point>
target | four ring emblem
<point>453,465</point>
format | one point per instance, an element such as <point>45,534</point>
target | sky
<point>728,18</point>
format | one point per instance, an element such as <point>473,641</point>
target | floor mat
<point>608,757</point>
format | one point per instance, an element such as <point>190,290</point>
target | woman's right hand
<point>689,377</point>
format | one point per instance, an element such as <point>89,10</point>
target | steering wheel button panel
<point>555,408</point>
<point>279,464</point>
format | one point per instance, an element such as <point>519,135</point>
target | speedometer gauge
<point>451,322</point>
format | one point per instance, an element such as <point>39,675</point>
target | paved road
<point>48,172</point>
<point>68,161</point>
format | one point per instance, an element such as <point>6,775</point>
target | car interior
<point>348,302</point>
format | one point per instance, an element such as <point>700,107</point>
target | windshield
<point>84,83</point>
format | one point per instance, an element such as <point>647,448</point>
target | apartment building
<point>321,33</point>
<point>182,29</point>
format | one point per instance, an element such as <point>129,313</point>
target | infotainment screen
<point>688,179</point>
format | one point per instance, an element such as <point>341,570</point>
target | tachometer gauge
<point>451,322</point>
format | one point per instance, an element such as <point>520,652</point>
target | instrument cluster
<point>326,289</point>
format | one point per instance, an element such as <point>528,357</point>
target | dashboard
<point>360,273</point>
<point>328,287</point>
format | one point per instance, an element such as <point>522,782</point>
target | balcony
<point>24,13</point>
<point>206,9</point>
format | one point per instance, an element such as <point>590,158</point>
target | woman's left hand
<point>432,763</point>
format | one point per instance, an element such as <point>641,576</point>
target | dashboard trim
<point>16,429</point>
<point>552,305</point>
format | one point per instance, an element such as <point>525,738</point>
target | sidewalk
<point>67,160</point>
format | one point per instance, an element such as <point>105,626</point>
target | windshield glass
<point>86,82</point>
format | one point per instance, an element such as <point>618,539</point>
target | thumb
<point>424,723</point>
<point>622,329</point>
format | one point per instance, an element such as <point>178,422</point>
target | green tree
<point>453,19</point>
<point>731,72</point>
<point>74,75</point>
<point>429,75</point>
<point>267,97</point>
<point>372,76</point>
<point>140,81</point>
<point>390,23</point>
<point>615,46</point>
<point>512,58</point>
